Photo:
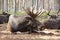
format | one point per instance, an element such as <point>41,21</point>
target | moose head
<point>55,15</point>
<point>53,22</point>
<point>4,17</point>
<point>25,23</point>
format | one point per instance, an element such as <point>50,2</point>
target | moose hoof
<point>5,31</point>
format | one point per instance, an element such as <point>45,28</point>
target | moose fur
<point>4,17</point>
<point>24,23</point>
<point>53,22</point>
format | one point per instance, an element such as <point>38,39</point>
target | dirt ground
<point>48,34</point>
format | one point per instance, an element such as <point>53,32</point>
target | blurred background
<point>15,6</point>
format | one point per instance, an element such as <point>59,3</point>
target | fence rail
<point>16,5</point>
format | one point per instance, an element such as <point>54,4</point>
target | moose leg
<point>9,27</point>
<point>8,30</point>
<point>30,30</point>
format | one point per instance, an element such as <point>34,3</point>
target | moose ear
<point>4,13</point>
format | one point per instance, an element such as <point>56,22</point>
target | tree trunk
<point>2,5</point>
<point>6,5</point>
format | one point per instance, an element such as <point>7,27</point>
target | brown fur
<point>4,17</point>
<point>8,27</point>
<point>24,23</point>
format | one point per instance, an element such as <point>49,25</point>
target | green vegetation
<point>21,13</point>
<point>43,17</point>
<point>0,11</point>
<point>18,13</point>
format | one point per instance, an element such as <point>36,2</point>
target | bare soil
<point>48,34</point>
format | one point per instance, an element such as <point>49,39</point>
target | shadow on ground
<point>47,34</point>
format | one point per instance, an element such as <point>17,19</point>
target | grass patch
<point>11,12</point>
<point>17,13</point>
<point>0,11</point>
<point>43,17</point>
<point>21,13</point>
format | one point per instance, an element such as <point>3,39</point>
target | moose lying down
<point>53,22</point>
<point>4,17</point>
<point>25,23</point>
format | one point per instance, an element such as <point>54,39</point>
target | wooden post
<point>2,5</point>
<point>48,5</point>
<point>14,7</point>
<point>37,4</point>
<point>32,3</point>
<point>23,3</point>
<point>6,5</point>
<point>42,4</point>
<point>56,5</point>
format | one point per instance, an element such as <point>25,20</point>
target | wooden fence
<point>16,5</point>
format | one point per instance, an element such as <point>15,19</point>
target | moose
<point>27,23</point>
<point>4,17</point>
<point>53,22</point>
